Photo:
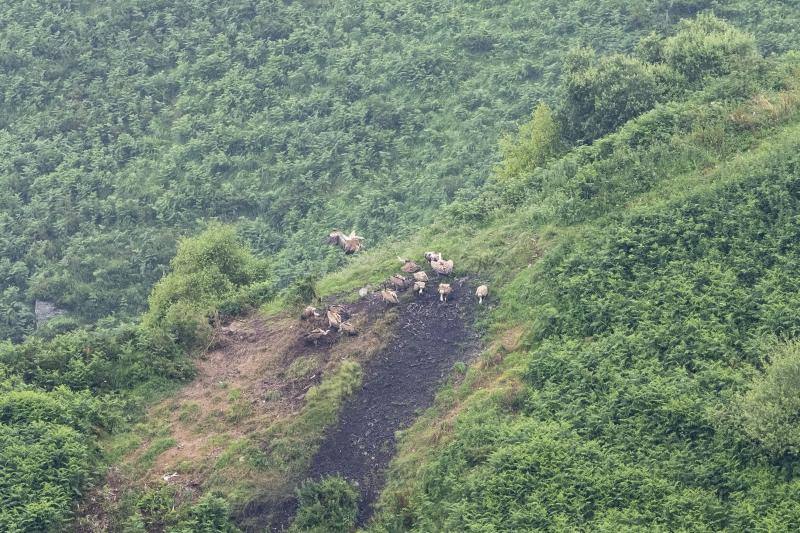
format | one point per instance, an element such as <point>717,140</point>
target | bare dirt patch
<point>429,338</point>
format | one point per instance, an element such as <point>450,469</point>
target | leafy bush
<point>600,96</point>
<point>209,271</point>
<point>770,409</point>
<point>536,142</point>
<point>211,514</point>
<point>707,46</point>
<point>327,506</point>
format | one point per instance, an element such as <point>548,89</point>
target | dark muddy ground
<point>399,382</point>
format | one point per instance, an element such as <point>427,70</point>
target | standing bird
<point>420,276</point>
<point>389,296</point>
<point>419,286</point>
<point>443,267</point>
<point>444,291</point>
<point>482,292</point>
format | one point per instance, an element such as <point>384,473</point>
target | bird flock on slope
<point>337,318</point>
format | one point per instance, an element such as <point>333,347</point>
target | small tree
<point>207,269</point>
<point>602,95</point>
<point>536,142</point>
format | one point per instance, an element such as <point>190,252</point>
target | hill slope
<point>641,360</point>
<point>128,124</point>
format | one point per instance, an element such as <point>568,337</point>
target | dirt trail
<point>398,382</point>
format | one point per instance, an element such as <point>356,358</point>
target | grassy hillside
<point>633,380</point>
<point>125,125</point>
<point>641,363</point>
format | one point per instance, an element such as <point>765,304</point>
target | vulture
<point>444,291</point>
<point>400,283</point>
<point>421,276</point>
<point>482,292</point>
<point>349,243</point>
<point>442,266</point>
<point>309,312</point>
<point>419,286</point>
<point>409,266</point>
<point>389,296</point>
<point>348,328</point>
<point>315,335</point>
<point>334,318</point>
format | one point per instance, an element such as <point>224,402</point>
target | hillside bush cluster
<point>326,506</point>
<point>58,396</point>
<point>212,275</point>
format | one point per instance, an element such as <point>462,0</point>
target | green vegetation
<point>56,398</point>
<point>639,397</point>
<point>639,233</point>
<point>330,505</point>
<point>129,124</point>
<point>769,408</point>
<point>211,274</point>
<point>59,396</point>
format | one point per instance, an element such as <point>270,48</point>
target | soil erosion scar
<point>398,382</point>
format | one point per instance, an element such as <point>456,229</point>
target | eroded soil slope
<point>399,381</point>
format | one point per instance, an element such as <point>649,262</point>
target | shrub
<point>208,273</point>
<point>326,506</point>
<point>602,95</point>
<point>536,142</point>
<point>707,47</point>
<point>211,514</point>
<point>770,409</point>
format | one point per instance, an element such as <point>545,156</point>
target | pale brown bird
<point>421,276</point>
<point>409,266</point>
<point>334,319</point>
<point>315,335</point>
<point>482,292</point>
<point>348,328</point>
<point>309,312</point>
<point>444,291</point>
<point>419,286</point>
<point>389,296</point>
<point>443,267</point>
<point>399,282</point>
<point>349,243</point>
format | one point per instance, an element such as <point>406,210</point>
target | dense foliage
<point>654,394</point>
<point>128,124</point>
<point>58,396</point>
<point>660,360</point>
<point>211,273</point>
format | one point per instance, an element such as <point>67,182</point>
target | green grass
<point>156,448</point>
